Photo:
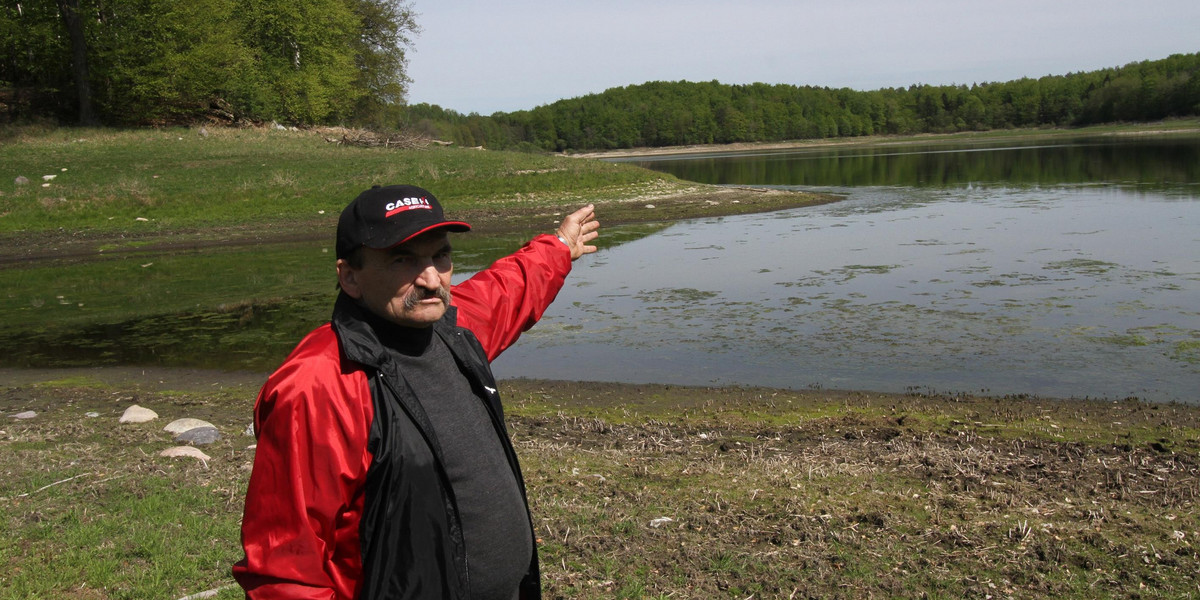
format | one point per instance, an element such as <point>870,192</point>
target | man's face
<point>408,284</point>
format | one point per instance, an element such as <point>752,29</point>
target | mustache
<point>417,294</point>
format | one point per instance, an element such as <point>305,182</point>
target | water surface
<point>1070,289</point>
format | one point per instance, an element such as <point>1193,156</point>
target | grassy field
<point>112,190</point>
<point>637,491</point>
<point>655,491</point>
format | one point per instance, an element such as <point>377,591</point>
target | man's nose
<point>429,278</point>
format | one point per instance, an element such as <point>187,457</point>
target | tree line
<point>138,62</point>
<point>684,113</point>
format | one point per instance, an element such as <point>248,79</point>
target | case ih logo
<point>399,206</point>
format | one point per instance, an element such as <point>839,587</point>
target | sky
<point>486,56</point>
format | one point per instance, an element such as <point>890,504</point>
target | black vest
<point>411,534</point>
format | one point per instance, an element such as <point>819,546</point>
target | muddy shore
<point>668,491</point>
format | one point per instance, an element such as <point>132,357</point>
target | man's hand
<point>579,228</point>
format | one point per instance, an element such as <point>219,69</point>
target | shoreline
<point>1169,127</point>
<point>157,380</point>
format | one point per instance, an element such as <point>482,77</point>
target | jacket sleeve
<point>504,300</point>
<point>303,503</point>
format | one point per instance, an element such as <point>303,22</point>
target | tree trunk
<point>69,10</point>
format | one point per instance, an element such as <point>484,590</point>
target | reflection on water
<point>1066,292</point>
<point>1149,161</point>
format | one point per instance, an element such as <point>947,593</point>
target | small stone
<point>48,177</point>
<point>199,436</point>
<point>137,414</point>
<point>249,429</point>
<point>92,415</point>
<point>29,414</point>
<point>649,206</point>
<point>659,522</point>
<point>21,180</point>
<point>182,425</point>
<point>178,451</point>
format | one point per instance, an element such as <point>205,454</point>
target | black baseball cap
<point>382,217</point>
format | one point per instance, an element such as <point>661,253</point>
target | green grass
<point>93,512</point>
<point>152,181</point>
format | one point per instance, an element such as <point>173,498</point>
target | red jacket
<point>314,419</point>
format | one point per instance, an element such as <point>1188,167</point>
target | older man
<point>384,469</point>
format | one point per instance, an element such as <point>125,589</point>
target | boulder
<point>178,451</point>
<point>137,414</point>
<point>181,425</point>
<point>198,436</point>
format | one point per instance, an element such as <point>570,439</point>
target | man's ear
<point>348,279</point>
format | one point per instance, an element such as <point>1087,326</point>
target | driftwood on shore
<point>372,139</point>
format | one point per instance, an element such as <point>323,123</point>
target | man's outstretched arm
<point>499,303</point>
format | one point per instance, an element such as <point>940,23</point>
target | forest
<point>343,62</point>
<point>156,62</point>
<point>678,113</point>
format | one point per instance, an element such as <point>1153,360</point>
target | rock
<point>182,425</point>
<point>29,414</point>
<point>249,429</point>
<point>92,415</point>
<point>137,414</point>
<point>48,177</point>
<point>199,436</point>
<point>21,180</point>
<point>178,451</point>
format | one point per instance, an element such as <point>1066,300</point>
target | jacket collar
<point>358,339</point>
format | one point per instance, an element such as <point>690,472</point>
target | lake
<point>1065,269</point>
<point>1068,269</point>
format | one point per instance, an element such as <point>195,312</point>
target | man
<point>383,468</point>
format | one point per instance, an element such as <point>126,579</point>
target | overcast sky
<point>486,56</point>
